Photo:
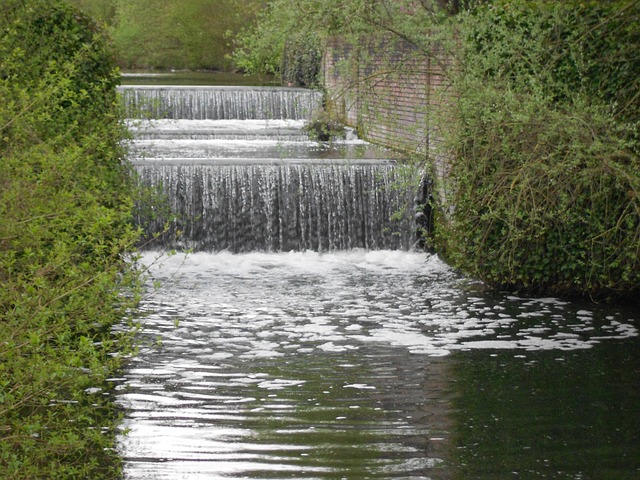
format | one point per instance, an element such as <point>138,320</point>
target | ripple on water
<point>307,365</point>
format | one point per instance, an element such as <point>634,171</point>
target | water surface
<point>166,77</point>
<point>373,365</point>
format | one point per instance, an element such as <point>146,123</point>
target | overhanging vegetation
<point>65,232</point>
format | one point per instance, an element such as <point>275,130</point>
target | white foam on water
<point>342,300</point>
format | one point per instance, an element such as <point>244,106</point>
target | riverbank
<point>535,155</point>
<point>66,199</point>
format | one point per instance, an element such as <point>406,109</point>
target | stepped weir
<point>237,172</point>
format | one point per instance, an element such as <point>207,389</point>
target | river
<point>360,362</point>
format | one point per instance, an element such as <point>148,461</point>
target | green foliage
<point>258,49</point>
<point>177,34</point>
<point>171,34</point>
<point>103,11</point>
<point>65,205</point>
<point>545,164</point>
<point>301,60</point>
<point>542,133</point>
<point>289,36</point>
<point>324,127</point>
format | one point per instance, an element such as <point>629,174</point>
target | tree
<point>275,39</point>
<point>175,34</point>
<point>101,10</point>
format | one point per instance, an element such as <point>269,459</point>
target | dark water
<point>354,363</point>
<point>545,415</point>
<point>155,77</point>
<point>373,365</point>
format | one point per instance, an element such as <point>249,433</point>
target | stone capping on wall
<point>393,93</point>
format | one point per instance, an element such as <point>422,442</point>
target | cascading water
<point>326,348</point>
<point>259,184</point>
<point>220,103</point>
<point>248,207</point>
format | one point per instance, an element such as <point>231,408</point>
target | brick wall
<point>395,94</point>
<point>385,87</point>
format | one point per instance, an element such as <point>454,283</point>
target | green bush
<point>65,233</point>
<point>176,34</point>
<point>545,147</point>
<point>324,127</point>
<point>287,36</point>
<point>301,60</point>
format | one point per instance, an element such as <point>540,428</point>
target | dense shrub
<point>65,230</point>
<point>545,147</point>
<point>301,60</point>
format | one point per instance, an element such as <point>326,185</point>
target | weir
<point>285,207</point>
<point>219,103</point>
<point>237,172</point>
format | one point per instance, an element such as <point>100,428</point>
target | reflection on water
<point>164,77</point>
<point>355,364</point>
<point>373,365</point>
<point>561,415</point>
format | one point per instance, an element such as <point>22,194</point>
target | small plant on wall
<point>323,127</point>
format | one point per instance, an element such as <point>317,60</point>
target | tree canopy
<point>172,34</point>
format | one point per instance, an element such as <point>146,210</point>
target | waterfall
<point>230,176</point>
<point>219,103</point>
<point>248,207</point>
